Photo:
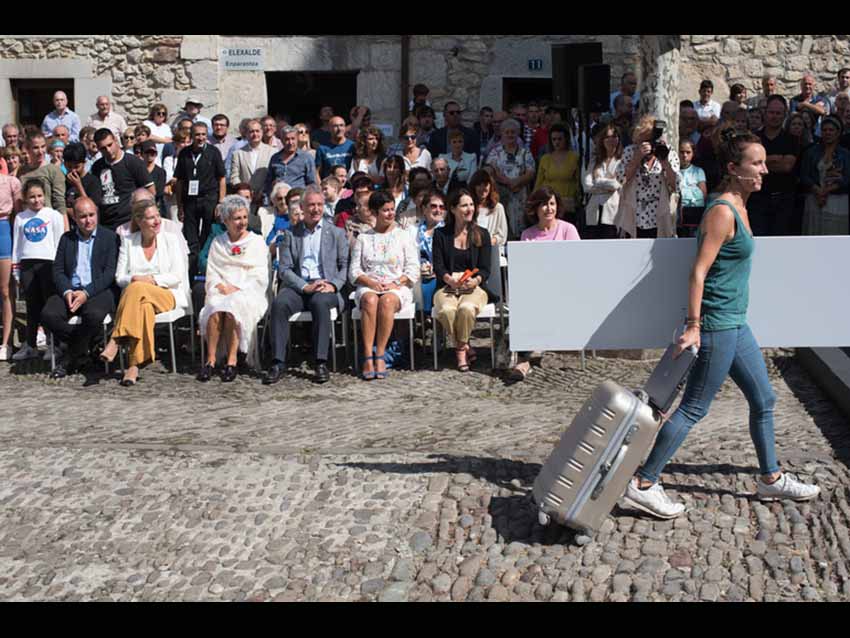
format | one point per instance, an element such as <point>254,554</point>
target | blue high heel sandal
<point>386,373</point>
<point>369,376</point>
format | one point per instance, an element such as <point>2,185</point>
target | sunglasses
<point>409,137</point>
<point>163,113</point>
<point>129,137</point>
<point>301,132</point>
<point>151,153</point>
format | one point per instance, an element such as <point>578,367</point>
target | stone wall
<point>470,68</point>
<point>139,68</point>
<point>744,59</point>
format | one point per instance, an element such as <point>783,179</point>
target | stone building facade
<point>475,70</point>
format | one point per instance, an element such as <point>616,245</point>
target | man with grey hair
<point>290,165</point>
<point>62,134</point>
<point>442,175</point>
<point>11,135</point>
<point>250,164</point>
<point>313,269</point>
<point>769,86</point>
<point>809,100</point>
<point>61,115</point>
<point>105,117</point>
<point>629,89</point>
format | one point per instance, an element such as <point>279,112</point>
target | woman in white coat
<point>237,280</point>
<point>153,272</point>
<point>600,182</point>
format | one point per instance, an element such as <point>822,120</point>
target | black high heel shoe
<point>206,373</point>
<point>229,375</point>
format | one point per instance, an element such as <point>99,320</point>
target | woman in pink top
<point>542,209</point>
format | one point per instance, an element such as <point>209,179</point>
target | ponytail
<point>731,150</point>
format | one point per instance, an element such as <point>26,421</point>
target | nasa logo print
<point>35,230</point>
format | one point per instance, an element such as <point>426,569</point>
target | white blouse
<point>168,266</point>
<point>385,257</point>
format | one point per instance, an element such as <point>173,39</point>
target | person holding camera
<point>651,180</point>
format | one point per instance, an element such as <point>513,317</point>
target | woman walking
<point>717,326</point>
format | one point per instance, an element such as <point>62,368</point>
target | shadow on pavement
<point>499,472</point>
<point>818,405</point>
<point>515,520</point>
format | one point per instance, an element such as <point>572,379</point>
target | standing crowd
<point>115,224</point>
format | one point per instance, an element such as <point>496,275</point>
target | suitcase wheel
<point>544,519</point>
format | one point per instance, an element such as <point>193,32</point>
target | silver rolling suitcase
<point>600,452</point>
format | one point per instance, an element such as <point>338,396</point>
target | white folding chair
<point>170,318</point>
<point>307,317</point>
<point>173,316</point>
<point>489,313</point>
<point>407,313</point>
<point>302,318</point>
<point>78,321</point>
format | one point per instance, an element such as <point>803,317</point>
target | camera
<point>659,149</point>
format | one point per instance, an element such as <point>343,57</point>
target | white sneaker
<point>41,339</point>
<point>653,501</point>
<point>4,353</point>
<point>788,488</point>
<point>25,353</point>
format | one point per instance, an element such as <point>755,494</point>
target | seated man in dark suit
<point>313,269</point>
<point>84,276</point>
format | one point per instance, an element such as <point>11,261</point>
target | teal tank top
<point>726,297</point>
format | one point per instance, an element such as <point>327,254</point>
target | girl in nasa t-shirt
<point>37,232</point>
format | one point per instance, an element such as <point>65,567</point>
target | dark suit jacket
<point>104,262</point>
<point>444,254</point>
<point>333,256</point>
<point>439,144</point>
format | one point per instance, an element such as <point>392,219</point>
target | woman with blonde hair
<point>153,273</point>
<point>303,132</point>
<point>650,179</point>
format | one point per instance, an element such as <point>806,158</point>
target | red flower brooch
<point>236,251</point>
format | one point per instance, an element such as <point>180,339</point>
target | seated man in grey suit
<point>313,260</point>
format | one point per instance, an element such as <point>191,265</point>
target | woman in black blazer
<point>459,247</point>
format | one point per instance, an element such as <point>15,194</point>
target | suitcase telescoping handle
<point>609,470</point>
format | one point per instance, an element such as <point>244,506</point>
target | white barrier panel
<point>612,295</point>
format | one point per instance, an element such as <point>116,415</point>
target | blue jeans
<point>725,353</point>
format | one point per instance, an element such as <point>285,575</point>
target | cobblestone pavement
<point>415,489</point>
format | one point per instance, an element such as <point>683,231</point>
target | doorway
<point>33,99</point>
<point>299,96</point>
<point>525,90</point>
